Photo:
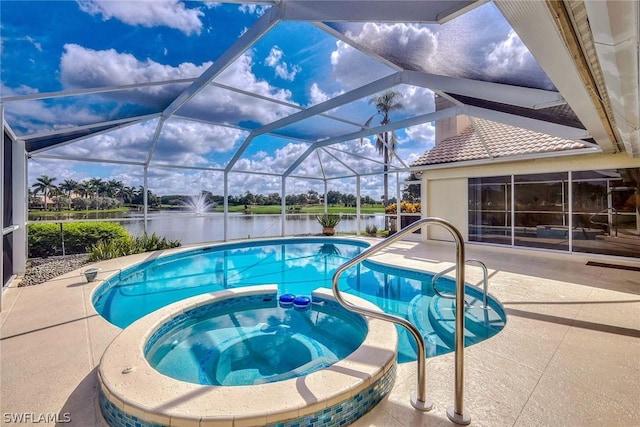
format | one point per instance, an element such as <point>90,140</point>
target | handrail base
<point>420,405</point>
<point>460,419</point>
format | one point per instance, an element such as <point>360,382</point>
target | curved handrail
<point>420,401</point>
<point>485,281</point>
<point>615,219</point>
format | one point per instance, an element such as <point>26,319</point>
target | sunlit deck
<point>569,354</point>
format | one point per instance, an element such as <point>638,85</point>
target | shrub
<point>407,207</point>
<point>130,245</point>
<point>45,239</point>
<point>371,229</point>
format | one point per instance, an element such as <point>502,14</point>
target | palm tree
<point>95,186</point>
<point>69,186</point>
<point>82,190</point>
<point>386,142</point>
<point>113,187</point>
<point>127,194</point>
<point>44,185</point>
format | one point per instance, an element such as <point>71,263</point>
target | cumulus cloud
<point>81,67</point>
<point>147,13</point>
<point>416,100</point>
<point>181,143</point>
<point>423,134</point>
<point>37,116</point>
<point>316,95</point>
<point>408,45</point>
<point>275,161</point>
<point>282,69</point>
<point>230,107</point>
<point>352,68</point>
<point>509,56</point>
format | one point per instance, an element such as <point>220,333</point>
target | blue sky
<point>50,46</point>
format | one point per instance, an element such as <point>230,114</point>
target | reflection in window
<point>604,208</point>
<point>541,214</point>
<point>490,209</point>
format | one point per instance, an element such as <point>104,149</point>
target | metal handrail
<point>615,219</point>
<point>420,400</point>
<point>485,281</point>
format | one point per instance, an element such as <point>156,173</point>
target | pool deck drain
<point>565,356</point>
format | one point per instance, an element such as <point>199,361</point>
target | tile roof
<point>494,140</point>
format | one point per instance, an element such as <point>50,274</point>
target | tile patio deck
<point>569,354</point>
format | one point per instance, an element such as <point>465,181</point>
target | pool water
<point>298,266</point>
<point>255,342</point>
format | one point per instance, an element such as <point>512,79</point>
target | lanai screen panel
<point>219,105</point>
<point>303,64</point>
<point>270,154</point>
<point>478,45</point>
<point>51,114</point>
<point>187,182</point>
<point>131,143</point>
<point>192,143</point>
<point>318,128</point>
<point>410,101</point>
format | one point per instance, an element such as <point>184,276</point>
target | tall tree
<point>68,186</point>
<point>95,186</point>
<point>386,142</point>
<point>44,184</point>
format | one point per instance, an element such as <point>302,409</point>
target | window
<point>540,211</point>
<point>601,208</point>
<point>490,209</point>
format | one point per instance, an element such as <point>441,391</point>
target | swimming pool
<point>297,265</point>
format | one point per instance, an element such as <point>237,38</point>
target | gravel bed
<point>40,270</point>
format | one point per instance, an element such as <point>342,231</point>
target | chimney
<point>453,126</point>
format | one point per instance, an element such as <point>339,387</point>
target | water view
<point>196,228</point>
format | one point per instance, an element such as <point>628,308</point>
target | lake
<point>197,228</point>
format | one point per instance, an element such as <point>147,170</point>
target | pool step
<point>480,323</point>
<point>418,315</point>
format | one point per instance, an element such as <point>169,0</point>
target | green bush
<point>371,229</point>
<point>45,239</point>
<point>129,246</point>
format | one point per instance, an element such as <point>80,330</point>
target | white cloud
<point>509,56</point>
<point>416,100</point>
<point>423,134</point>
<point>276,161</point>
<point>316,95</point>
<point>82,67</point>
<point>352,68</point>
<point>402,43</point>
<point>36,116</point>
<point>230,107</point>
<point>147,13</point>
<point>282,69</point>
<point>253,9</point>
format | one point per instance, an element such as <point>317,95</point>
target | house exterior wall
<point>445,188</point>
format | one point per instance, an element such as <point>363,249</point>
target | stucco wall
<point>445,188</point>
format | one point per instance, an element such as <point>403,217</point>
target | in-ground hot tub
<point>254,340</point>
<point>247,361</point>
